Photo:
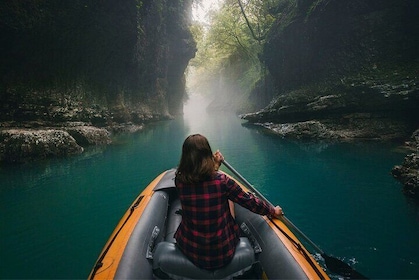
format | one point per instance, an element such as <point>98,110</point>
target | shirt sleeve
<point>236,194</point>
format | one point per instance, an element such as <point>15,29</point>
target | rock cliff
<point>108,64</point>
<point>351,65</point>
<point>344,70</point>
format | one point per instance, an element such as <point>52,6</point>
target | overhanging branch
<point>257,38</point>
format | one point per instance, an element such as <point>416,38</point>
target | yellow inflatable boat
<point>142,245</point>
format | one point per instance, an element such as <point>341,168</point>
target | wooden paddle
<point>335,265</point>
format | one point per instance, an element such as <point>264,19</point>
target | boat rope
<point>99,262</point>
<point>300,249</point>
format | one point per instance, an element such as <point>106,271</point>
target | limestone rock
<point>21,145</point>
<point>408,172</point>
<point>89,135</point>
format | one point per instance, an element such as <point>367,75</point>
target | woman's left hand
<point>218,158</point>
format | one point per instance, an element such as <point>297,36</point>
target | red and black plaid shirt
<point>208,234</point>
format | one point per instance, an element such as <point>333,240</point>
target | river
<point>56,215</point>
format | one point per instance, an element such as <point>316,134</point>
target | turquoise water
<point>56,216</point>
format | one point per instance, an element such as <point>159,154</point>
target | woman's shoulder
<point>219,175</point>
<point>224,178</point>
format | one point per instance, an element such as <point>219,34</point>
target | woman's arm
<point>249,201</point>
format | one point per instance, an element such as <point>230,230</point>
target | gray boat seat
<point>170,263</point>
<point>174,219</point>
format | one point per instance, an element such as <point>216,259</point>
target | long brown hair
<point>197,160</point>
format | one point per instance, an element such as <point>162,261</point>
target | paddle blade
<point>339,267</point>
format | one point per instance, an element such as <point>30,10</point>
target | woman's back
<point>208,233</point>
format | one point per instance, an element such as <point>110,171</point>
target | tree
<point>260,17</point>
<point>228,53</point>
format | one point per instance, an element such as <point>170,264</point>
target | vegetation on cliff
<point>228,66</point>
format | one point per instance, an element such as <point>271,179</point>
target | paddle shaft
<point>235,172</point>
<point>332,263</point>
<point>253,189</point>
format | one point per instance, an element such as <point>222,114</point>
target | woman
<point>208,233</point>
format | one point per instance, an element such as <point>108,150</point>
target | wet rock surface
<point>89,135</point>
<point>21,145</point>
<point>26,125</point>
<point>31,141</point>
<point>362,108</point>
<point>352,128</point>
<point>408,172</point>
